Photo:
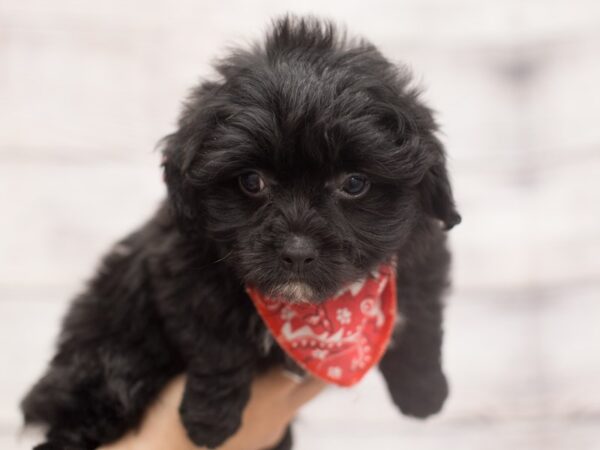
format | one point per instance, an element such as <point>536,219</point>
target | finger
<point>275,383</point>
<point>172,393</point>
<point>306,391</point>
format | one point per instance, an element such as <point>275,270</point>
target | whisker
<point>214,262</point>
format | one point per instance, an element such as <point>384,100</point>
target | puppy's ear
<point>434,188</point>
<point>179,152</point>
<point>182,201</point>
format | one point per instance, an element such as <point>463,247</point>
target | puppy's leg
<point>113,356</point>
<point>412,365</point>
<point>91,400</point>
<point>216,392</point>
<point>416,382</point>
<point>103,375</point>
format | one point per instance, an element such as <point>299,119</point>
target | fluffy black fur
<point>303,108</point>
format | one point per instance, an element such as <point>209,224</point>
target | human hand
<point>274,400</point>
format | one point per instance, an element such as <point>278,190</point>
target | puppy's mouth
<point>299,291</point>
<point>302,292</point>
<point>294,292</point>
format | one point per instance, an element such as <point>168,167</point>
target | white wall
<point>88,88</point>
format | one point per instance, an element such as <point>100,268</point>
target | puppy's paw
<point>205,428</point>
<point>420,394</point>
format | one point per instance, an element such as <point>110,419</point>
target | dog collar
<point>340,339</point>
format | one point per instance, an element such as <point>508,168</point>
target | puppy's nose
<point>298,252</point>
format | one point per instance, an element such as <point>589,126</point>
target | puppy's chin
<point>294,292</point>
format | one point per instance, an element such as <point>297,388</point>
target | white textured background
<point>88,87</point>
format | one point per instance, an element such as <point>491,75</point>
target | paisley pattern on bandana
<point>340,339</point>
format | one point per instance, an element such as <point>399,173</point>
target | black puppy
<point>304,166</point>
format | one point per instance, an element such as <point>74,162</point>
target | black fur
<point>303,108</point>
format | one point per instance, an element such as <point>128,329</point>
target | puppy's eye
<point>251,183</point>
<point>355,185</point>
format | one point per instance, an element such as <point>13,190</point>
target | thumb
<point>305,391</point>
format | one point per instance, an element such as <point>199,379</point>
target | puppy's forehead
<point>304,125</point>
<point>308,147</point>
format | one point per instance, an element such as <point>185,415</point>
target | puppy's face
<point>306,171</point>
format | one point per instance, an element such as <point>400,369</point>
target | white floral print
<point>343,316</point>
<point>334,372</point>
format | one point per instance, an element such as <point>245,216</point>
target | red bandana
<point>340,339</point>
